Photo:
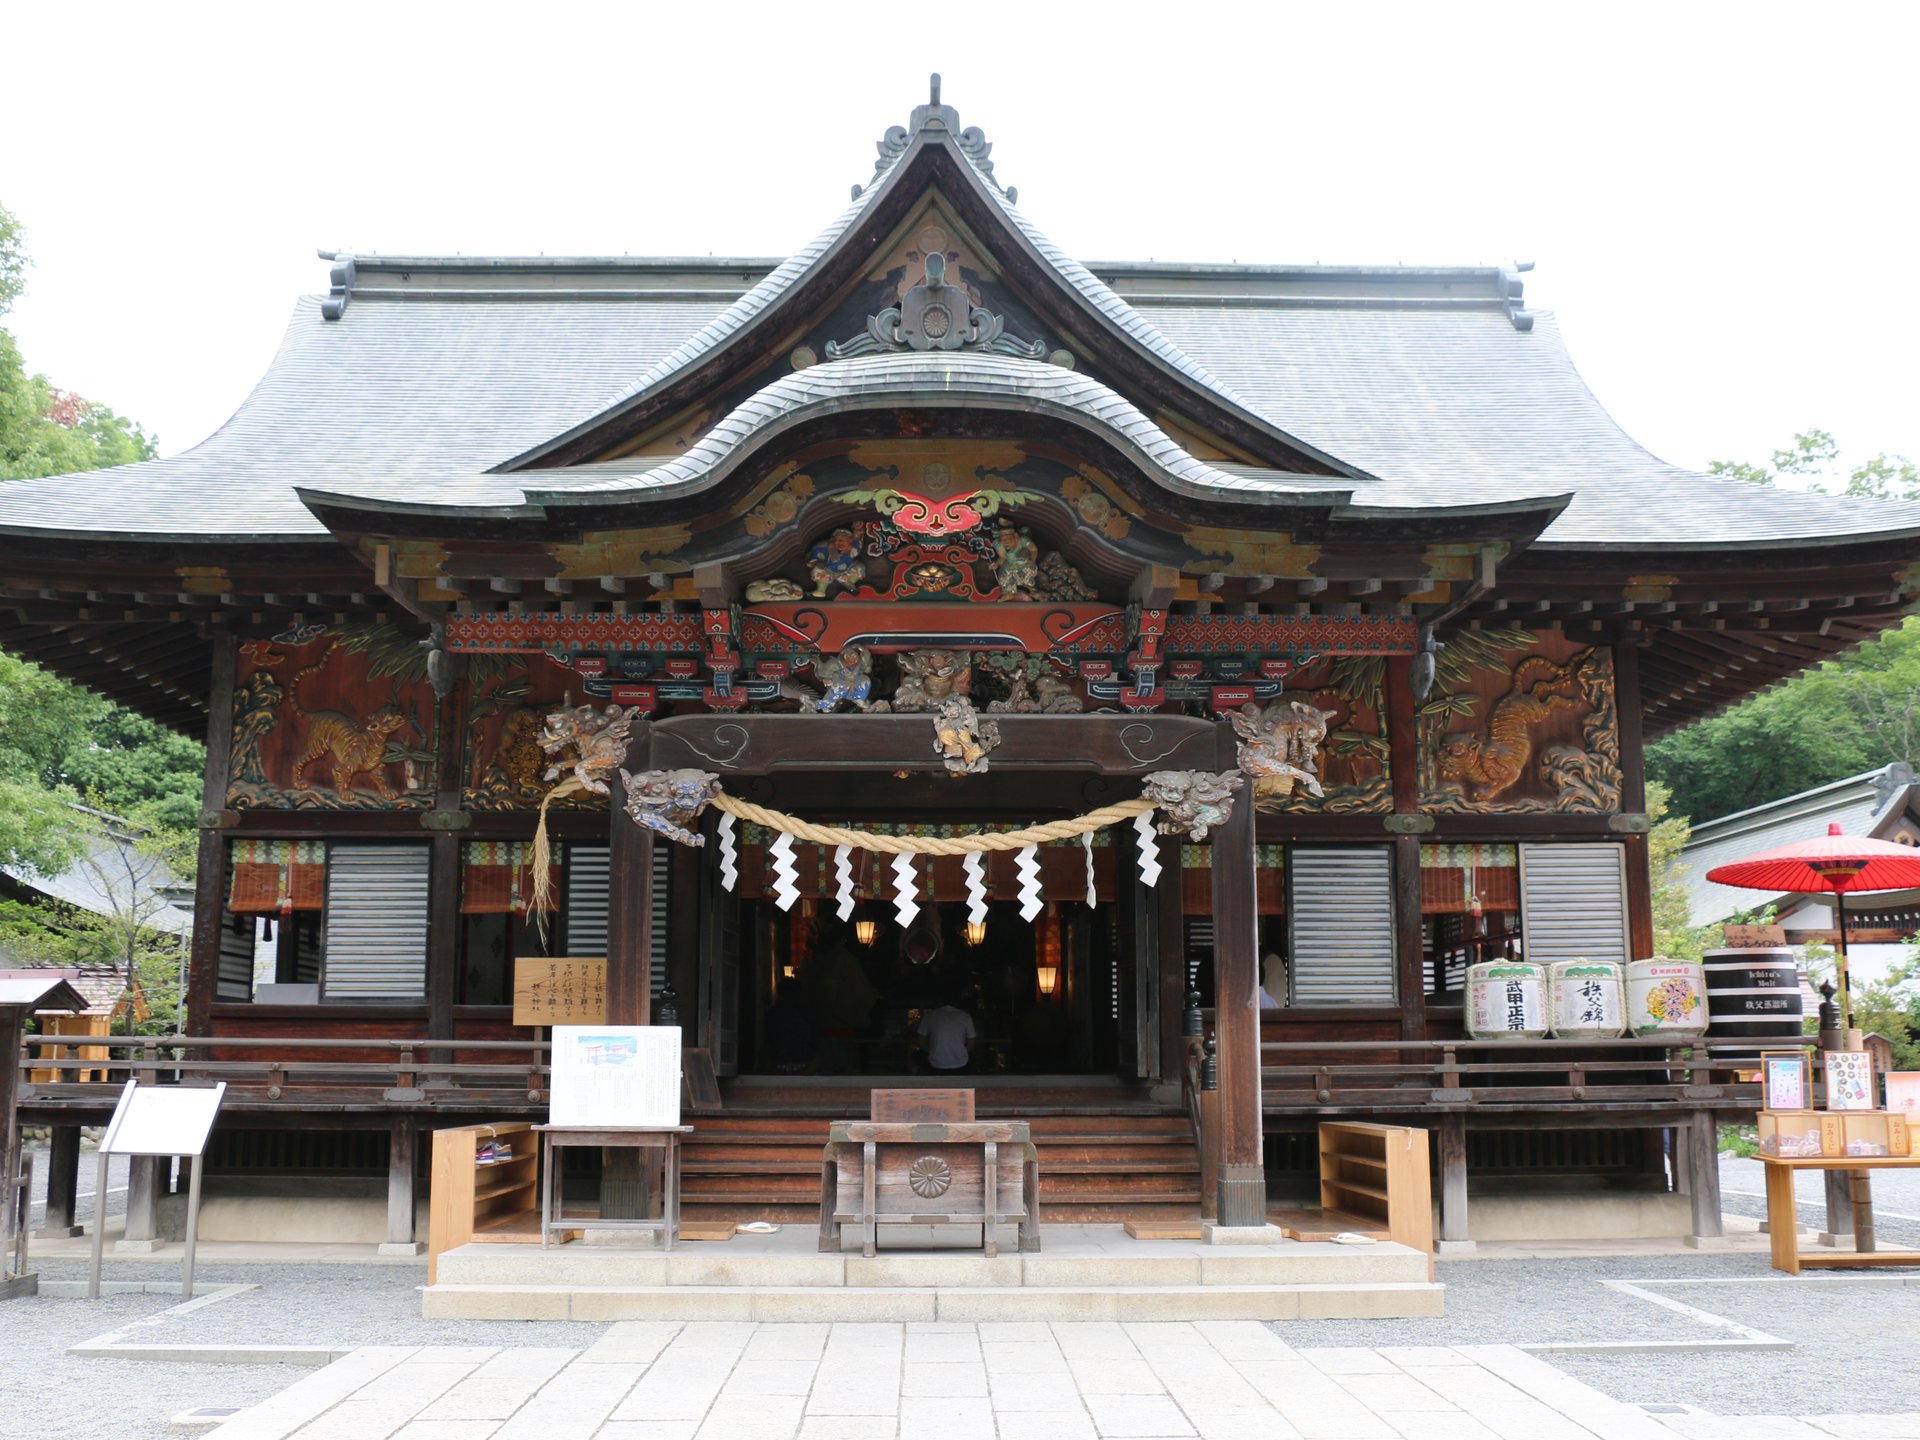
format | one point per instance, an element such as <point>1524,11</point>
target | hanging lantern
<point>975,932</point>
<point>1047,956</point>
<point>866,929</point>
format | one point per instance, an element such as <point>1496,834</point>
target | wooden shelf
<point>1372,1191</point>
<point>470,1201</point>
<point>1368,1160</point>
<point>1396,1196</point>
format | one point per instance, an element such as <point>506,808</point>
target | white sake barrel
<point>1507,999</point>
<point>1666,997</point>
<point>1589,999</point>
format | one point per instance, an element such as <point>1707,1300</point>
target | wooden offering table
<point>664,1138</point>
<point>876,1172</point>
<point>1783,1219</point>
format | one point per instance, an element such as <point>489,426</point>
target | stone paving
<point>1220,1380</point>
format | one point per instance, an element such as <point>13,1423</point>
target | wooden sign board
<point>559,992</point>
<point>697,1078</point>
<point>1754,937</point>
<point>950,1107</point>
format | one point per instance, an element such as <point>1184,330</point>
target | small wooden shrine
<point>722,618</point>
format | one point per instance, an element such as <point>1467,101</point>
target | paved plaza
<point>1222,1380</point>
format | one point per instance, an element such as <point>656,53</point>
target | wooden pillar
<point>1409,922</point>
<point>143,1204</point>
<point>1236,988</point>
<point>630,899</point>
<point>1839,1205</point>
<point>443,942</point>
<point>1633,796</point>
<point>12,1023</point>
<point>400,1165</point>
<point>210,877</point>
<point>1453,1180</point>
<point>1703,1156</point>
<point>1170,955</point>
<point>63,1183</point>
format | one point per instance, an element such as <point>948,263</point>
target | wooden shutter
<point>657,932</point>
<point>1573,902</point>
<point>1340,918</point>
<point>585,906</point>
<point>376,918</point>
<point>234,979</point>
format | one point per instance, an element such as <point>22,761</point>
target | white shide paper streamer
<point>1027,865</point>
<point>905,907</point>
<point>1087,842</point>
<point>1148,849</point>
<point>729,856</point>
<point>975,865</point>
<point>786,878</point>
<point>843,880</point>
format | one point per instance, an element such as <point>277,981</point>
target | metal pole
<point>99,1227</point>
<point>193,1228</point>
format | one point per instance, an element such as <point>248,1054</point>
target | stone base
<point>1456,1247</point>
<point>137,1247</point>
<point>19,1287</point>
<point>402,1247</point>
<point>1833,1241</point>
<point>1706,1242</point>
<point>59,1232</point>
<point>1213,1234</point>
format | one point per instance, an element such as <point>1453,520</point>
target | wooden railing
<point>1480,1074</point>
<point>410,1076</point>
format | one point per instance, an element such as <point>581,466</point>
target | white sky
<point>1720,197</point>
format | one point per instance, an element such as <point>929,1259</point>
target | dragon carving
<point>1280,746</point>
<point>670,802</point>
<point>598,741</point>
<point>1486,765</point>
<point>1191,802</point>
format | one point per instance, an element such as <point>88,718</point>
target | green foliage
<point>1673,934</point>
<point>1889,1006</point>
<point>45,430</point>
<point>1815,454</point>
<point>1742,1140</point>
<point>1853,713</point>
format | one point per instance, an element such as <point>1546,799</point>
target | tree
<point>45,430</point>
<point>1814,454</point>
<point>1674,934</point>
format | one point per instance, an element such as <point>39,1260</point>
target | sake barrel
<point>1506,999</point>
<point>1589,999</point>
<point>1753,993</point>
<point>1666,997</point>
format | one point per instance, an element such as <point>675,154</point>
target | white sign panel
<point>614,1076</point>
<point>162,1119</point>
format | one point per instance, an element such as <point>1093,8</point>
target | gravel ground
<point>89,1172</point>
<point>1869,1320</point>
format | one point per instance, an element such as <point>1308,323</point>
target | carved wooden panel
<point>1350,690</point>
<point>510,697</point>
<point>1520,722</point>
<point>327,719</point>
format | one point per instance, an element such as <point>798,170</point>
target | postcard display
<point>1791,1129</point>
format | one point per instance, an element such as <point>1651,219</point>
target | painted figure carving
<point>1057,580</point>
<point>348,747</point>
<point>1191,802</point>
<point>1280,746</point>
<point>848,678</point>
<point>835,561</point>
<point>778,588</point>
<point>961,738</point>
<point>598,741</point>
<point>1034,687</point>
<point>670,802</point>
<point>928,677</point>
<point>1484,766</point>
<point>518,759</point>
<point>1016,563</point>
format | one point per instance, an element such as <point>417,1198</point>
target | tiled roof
<point>1859,804</point>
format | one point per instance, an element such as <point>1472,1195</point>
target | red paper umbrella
<point>1835,864</point>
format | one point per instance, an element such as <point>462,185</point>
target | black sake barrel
<point>1752,994</point>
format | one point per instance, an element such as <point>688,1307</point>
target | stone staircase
<point>1082,1272</point>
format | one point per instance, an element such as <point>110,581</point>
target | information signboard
<point>610,1076</point>
<point>559,992</point>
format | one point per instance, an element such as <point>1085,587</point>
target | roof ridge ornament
<point>934,315</point>
<point>971,142</point>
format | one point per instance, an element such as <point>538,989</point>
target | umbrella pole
<point>1846,993</point>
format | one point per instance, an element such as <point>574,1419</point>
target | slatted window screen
<point>1573,902</point>
<point>376,919</point>
<point>584,904</point>
<point>234,979</point>
<point>657,956</point>
<point>1340,915</point>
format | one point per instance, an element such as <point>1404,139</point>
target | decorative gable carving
<point>935,315</point>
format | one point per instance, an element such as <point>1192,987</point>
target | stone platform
<point>1082,1272</point>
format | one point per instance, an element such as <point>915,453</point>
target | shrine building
<point>1322,611</point>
